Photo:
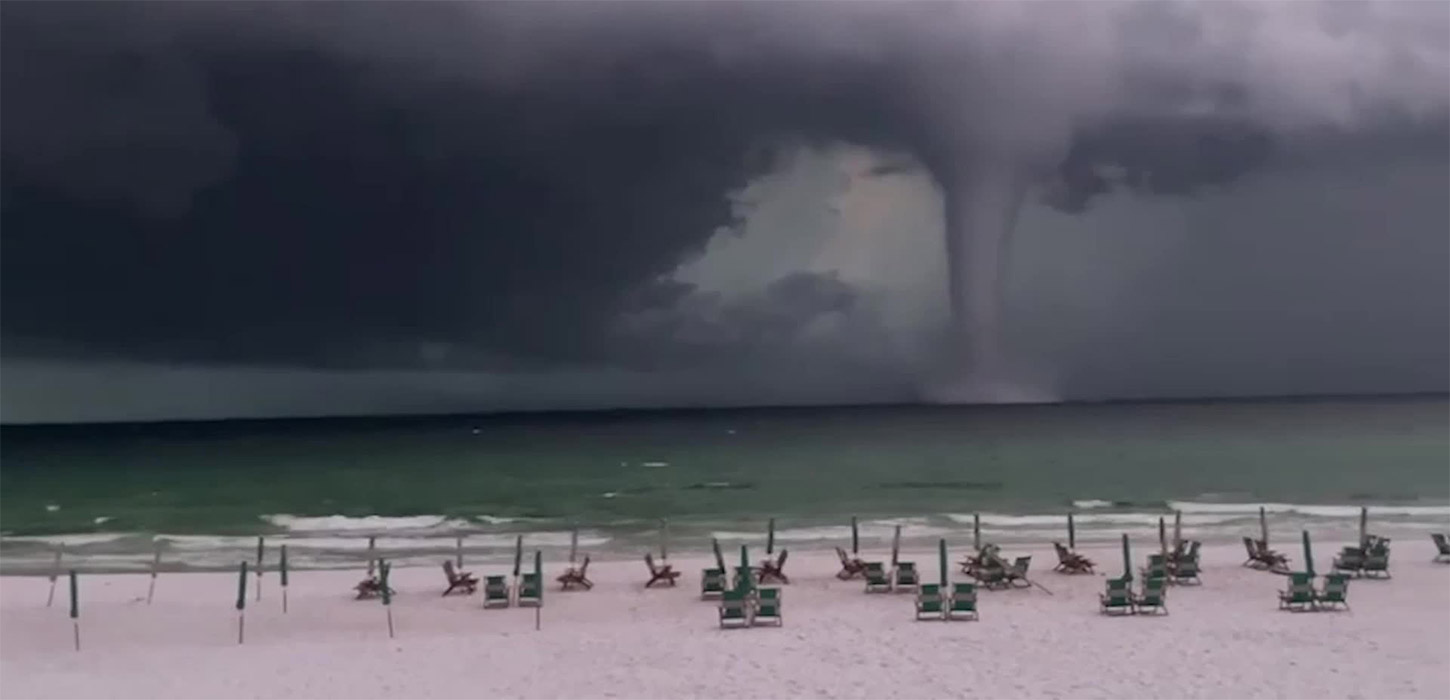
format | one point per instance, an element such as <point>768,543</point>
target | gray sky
<point>348,208</point>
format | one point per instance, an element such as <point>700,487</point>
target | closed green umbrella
<point>855,537</point>
<point>75,607</point>
<point>539,581</point>
<point>744,580</point>
<point>241,602</point>
<point>1308,555</point>
<point>719,558</point>
<point>1363,526</point>
<point>977,531</point>
<point>895,546</point>
<point>282,570</point>
<point>770,538</point>
<point>1127,560</point>
<point>385,568</point>
<point>942,561</point>
<point>1177,529</point>
<point>1263,526</point>
<point>261,549</point>
<point>518,554</point>
<point>1071,533</point>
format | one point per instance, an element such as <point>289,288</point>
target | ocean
<point>110,494</point>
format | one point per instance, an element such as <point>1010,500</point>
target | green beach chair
<point>734,609</point>
<point>1157,567</point>
<point>906,577</point>
<point>1377,562</point>
<point>530,591</point>
<point>1335,592</point>
<point>876,579</point>
<point>962,603</point>
<point>1118,600</point>
<point>767,608</point>
<point>1154,597</point>
<point>929,604</point>
<point>1185,570</point>
<point>712,583</point>
<point>1350,560</point>
<point>1300,596</point>
<point>495,592</point>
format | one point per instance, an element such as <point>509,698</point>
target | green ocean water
<point>106,490</point>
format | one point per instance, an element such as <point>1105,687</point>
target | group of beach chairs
<point>1371,559</point>
<point>1120,599</point>
<point>1303,597</point>
<point>993,572</point>
<point>747,603</point>
<point>901,577</point>
<point>960,603</point>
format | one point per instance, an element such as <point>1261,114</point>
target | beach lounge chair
<point>1118,600</point>
<point>495,592</point>
<point>929,603</point>
<point>851,567</point>
<point>1186,572</point>
<point>1335,592</point>
<point>712,583</point>
<point>371,587</point>
<point>1300,596</point>
<point>774,570</point>
<point>767,608</point>
<point>1070,562</point>
<point>1251,546</point>
<point>530,591</point>
<point>906,577</point>
<point>1016,575</point>
<point>579,576</point>
<point>734,609</point>
<point>876,579</point>
<point>663,572</point>
<point>1377,561</point>
<point>1442,545</point>
<point>1157,567</point>
<point>962,603</point>
<point>1154,596</point>
<point>458,580</point>
<point>1350,560</point>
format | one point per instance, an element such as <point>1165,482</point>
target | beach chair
<point>851,567</point>
<point>530,591</point>
<point>1154,596</point>
<point>663,572</point>
<point>1070,562</point>
<point>458,580</point>
<point>371,587</point>
<point>1300,596</point>
<point>1335,592</point>
<point>767,608</point>
<point>1443,546</point>
<point>712,583</point>
<point>734,609</point>
<point>1251,546</point>
<point>774,570</point>
<point>1118,600</point>
<point>1157,567</point>
<point>1186,572</point>
<point>1016,575</point>
<point>744,577</point>
<point>929,604</point>
<point>906,577</point>
<point>876,579</point>
<point>1377,561</point>
<point>495,592</point>
<point>1349,560</point>
<point>962,602</point>
<point>579,576</point>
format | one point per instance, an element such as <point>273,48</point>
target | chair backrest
<point>585,566</point>
<point>1252,547</point>
<point>780,563</point>
<point>1021,563</point>
<point>842,554</point>
<point>1336,583</point>
<point>964,591</point>
<point>1154,584</point>
<point>929,589</point>
<point>1441,542</point>
<point>449,571</point>
<point>906,566</point>
<point>1193,549</point>
<point>769,594</point>
<point>649,560</point>
<point>1119,589</point>
<point>875,567</point>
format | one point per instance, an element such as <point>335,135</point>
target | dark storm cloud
<point>316,183</point>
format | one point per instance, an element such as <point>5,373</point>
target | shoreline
<point>1225,638</point>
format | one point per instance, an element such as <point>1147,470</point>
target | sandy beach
<point>1224,639</point>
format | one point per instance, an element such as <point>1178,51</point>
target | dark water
<point>616,475</point>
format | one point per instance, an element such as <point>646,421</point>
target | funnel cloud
<point>469,206</point>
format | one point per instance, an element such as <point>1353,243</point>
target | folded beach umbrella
<point>942,561</point>
<point>1177,528</point>
<point>573,544</point>
<point>1071,532</point>
<point>1363,525</point>
<point>518,554</point>
<point>1127,560</point>
<point>539,574</point>
<point>977,531</point>
<point>719,558</point>
<point>895,546</point>
<point>1308,555</point>
<point>770,538</point>
<point>744,581</point>
<point>855,537</point>
<point>1263,526</point>
<point>282,570</point>
<point>1162,537</point>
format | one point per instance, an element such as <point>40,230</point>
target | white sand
<point>1224,639</point>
